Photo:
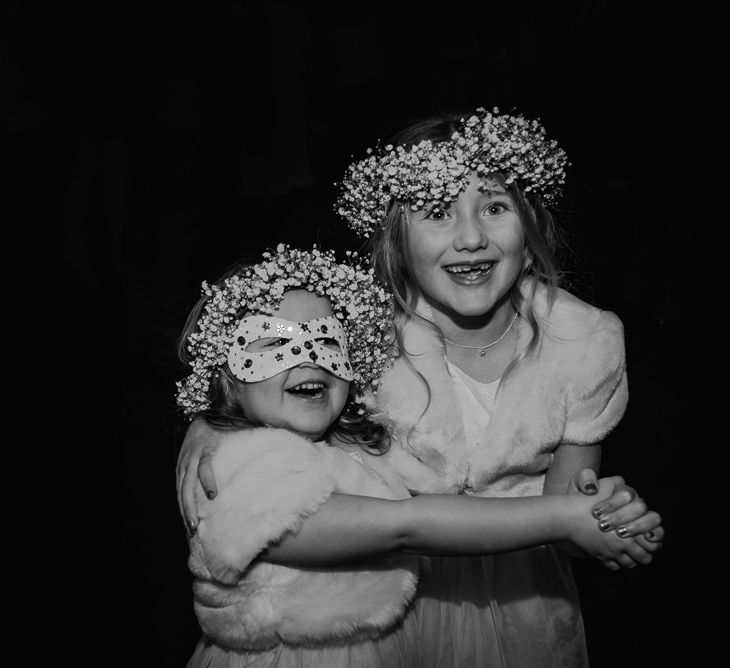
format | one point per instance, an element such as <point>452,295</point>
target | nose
<point>470,233</point>
<point>309,365</point>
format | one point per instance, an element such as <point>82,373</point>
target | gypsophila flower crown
<point>358,301</point>
<point>486,143</point>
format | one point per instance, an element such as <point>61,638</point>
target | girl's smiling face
<point>466,256</point>
<point>306,398</point>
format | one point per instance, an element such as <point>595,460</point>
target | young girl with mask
<point>504,384</point>
<point>281,355</point>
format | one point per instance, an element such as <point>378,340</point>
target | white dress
<point>491,611</point>
<point>518,609</point>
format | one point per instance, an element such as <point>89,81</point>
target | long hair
<point>390,246</point>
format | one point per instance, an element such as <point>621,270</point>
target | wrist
<point>565,517</point>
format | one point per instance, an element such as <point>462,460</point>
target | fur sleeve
<point>597,399</point>
<point>270,480</point>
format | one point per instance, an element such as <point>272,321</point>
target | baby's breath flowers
<point>358,301</point>
<point>486,143</point>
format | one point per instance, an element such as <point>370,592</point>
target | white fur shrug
<point>269,480</point>
<point>574,391</point>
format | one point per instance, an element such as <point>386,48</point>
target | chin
<point>472,310</point>
<point>312,433</point>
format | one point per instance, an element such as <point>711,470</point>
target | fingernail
<point>597,512</point>
<point>622,531</point>
<point>210,494</point>
<point>591,487</point>
<point>604,525</point>
<point>191,526</point>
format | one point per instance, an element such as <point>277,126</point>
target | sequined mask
<point>320,341</point>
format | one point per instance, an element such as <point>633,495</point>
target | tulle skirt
<point>513,610</point>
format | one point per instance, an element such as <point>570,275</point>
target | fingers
<point>632,552</point>
<point>621,496</point>
<point>625,561</point>
<point>646,523</point>
<point>614,480</point>
<point>190,508</point>
<point>179,480</point>
<point>633,513</point>
<point>650,545</point>
<point>651,541</point>
<point>655,535</point>
<point>638,554</point>
<point>611,565</point>
<point>585,481</point>
<point>206,475</point>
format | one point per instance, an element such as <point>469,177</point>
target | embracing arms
<point>348,528</point>
<point>354,527</point>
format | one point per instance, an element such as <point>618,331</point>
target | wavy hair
<point>390,246</point>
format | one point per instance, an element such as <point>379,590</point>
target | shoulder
<point>570,317</point>
<point>263,445</point>
<point>263,436</point>
<point>577,337</point>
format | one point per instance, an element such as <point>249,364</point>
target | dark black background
<point>156,143</point>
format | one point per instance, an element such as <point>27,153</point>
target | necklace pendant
<point>483,352</point>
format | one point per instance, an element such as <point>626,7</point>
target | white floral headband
<point>358,301</point>
<point>486,143</point>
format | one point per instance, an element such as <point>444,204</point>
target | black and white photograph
<point>374,317</point>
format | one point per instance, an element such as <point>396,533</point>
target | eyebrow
<point>493,193</point>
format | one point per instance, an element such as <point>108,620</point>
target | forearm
<point>568,460</point>
<point>349,528</point>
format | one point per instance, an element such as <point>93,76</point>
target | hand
<point>642,538</point>
<point>623,511</point>
<point>195,463</point>
<point>627,513</point>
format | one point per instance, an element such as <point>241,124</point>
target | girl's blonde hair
<point>390,245</point>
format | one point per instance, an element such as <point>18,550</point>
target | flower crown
<point>486,143</point>
<point>362,306</point>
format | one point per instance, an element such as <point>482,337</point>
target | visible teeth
<point>309,387</point>
<point>466,268</point>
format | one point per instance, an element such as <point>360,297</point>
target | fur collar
<point>530,413</point>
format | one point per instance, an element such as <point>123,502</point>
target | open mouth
<point>311,390</point>
<point>469,272</point>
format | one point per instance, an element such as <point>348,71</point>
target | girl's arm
<point>570,463</point>
<point>349,528</point>
<point>569,460</point>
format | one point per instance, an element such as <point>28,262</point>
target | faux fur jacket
<point>269,481</point>
<point>574,390</point>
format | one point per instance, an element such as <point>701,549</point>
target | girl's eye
<point>436,213</point>
<point>495,208</point>
<point>275,343</point>
<point>328,342</point>
<point>266,344</point>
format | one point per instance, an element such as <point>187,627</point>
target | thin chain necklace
<point>483,349</point>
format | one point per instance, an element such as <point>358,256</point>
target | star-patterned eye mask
<point>292,343</point>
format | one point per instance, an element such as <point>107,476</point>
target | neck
<point>474,330</point>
